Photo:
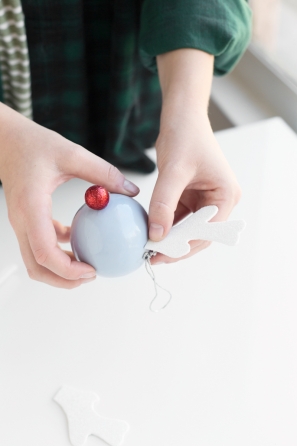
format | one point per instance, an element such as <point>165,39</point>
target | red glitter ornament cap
<point>97,197</point>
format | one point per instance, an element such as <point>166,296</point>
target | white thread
<point>147,257</point>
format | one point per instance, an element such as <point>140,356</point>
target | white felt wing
<point>83,420</point>
<point>196,227</point>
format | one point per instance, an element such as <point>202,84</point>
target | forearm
<point>185,77</point>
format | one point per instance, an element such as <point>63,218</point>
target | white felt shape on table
<point>196,227</point>
<point>83,421</point>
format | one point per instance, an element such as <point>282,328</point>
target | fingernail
<point>88,280</point>
<point>88,275</point>
<point>130,187</point>
<point>156,232</point>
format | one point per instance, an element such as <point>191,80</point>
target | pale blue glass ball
<point>112,240</point>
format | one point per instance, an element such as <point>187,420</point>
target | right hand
<point>34,161</point>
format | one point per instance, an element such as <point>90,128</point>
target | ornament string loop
<point>147,257</point>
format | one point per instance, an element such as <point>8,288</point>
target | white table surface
<point>217,367</point>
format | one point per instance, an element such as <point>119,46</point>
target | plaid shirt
<point>93,64</point>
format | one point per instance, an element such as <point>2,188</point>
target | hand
<point>193,171</point>
<point>34,161</point>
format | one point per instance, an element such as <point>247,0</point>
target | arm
<point>193,171</point>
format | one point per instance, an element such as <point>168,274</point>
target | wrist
<point>182,109</point>
<point>186,73</point>
<point>185,77</point>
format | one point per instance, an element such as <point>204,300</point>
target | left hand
<point>193,173</point>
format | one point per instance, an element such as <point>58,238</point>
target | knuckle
<point>231,193</point>
<point>237,194</point>
<point>67,275</point>
<point>75,152</point>
<point>17,205</point>
<point>178,169</point>
<point>113,174</point>
<point>70,155</point>
<point>159,208</point>
<point>41,255</point>
<point>24,203</point>
<point>32,274</point>
<point>66,272</point>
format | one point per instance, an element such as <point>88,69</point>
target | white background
<point>218,367</point>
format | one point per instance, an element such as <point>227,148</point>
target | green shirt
<point>93,64</point>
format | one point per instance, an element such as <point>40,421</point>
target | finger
<point>62,232</point>
<point>225,199</point>
<point>41,274</point>
<point>168,189</point>
<point>196,246</point>
<point>87,166</point>
<point>43,242</point>
<point>224,209</point>
<point>70,254</point>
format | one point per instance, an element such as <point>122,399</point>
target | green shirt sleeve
<point>218,27</point>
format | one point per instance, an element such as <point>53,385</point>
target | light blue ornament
<point>112,239</point>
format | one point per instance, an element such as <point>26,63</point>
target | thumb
<point>89,167</point>
<point>166,195</point>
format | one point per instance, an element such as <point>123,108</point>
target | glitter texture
<point>97,197</point>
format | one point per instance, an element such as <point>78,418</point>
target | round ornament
<point>112,239</point>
